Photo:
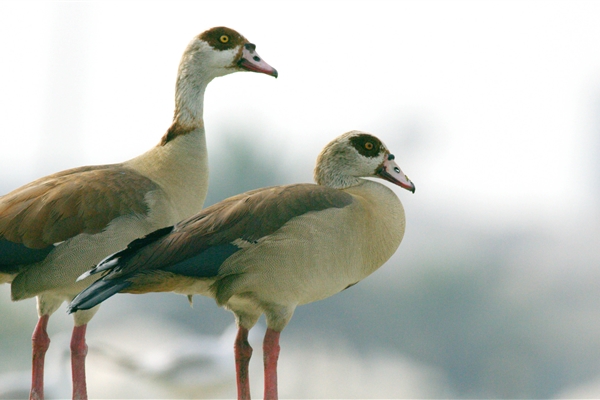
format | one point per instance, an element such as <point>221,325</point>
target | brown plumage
<point>80,200</point>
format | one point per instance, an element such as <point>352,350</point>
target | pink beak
<point>390,171</point>
<point>252,62</point>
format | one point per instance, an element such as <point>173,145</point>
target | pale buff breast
<point>320,253</point>
<point>183,176</point>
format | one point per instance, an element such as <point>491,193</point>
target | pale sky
<point>491,107</point>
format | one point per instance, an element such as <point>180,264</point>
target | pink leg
<point>78,353</point>
<point>243,352</point>
<point>40,343</point>
<point>271,354</point>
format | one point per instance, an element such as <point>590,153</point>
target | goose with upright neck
<point>269,250</point>
<point>183,147</point>
<point>54,228</point>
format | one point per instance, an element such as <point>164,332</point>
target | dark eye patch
<point>213,37</point>
<point>360,143</point>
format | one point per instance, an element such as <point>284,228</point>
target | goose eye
<point>224,38</point>
<point>369,146</point>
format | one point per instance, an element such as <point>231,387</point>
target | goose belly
<point>310,258</point>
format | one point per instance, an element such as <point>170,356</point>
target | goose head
<point>356,155</point>
<point>221,51</point>
<point>216,52</point>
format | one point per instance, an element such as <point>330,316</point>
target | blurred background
<point>492,108</point>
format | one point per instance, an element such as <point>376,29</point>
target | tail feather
<point>120,258</point>
<point>108,264</point>
<point>96,293</point>
<point>105,287</point>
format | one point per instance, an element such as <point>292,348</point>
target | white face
<point>215,52</point>
<point>365,166</point>
<point>356,155</point>
<point>202,60</point>
<point>350,156</point>
<point>365,155</point>
<point>214,60</point>
<point>223,62</point>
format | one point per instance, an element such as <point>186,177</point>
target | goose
<point>57,227</point>
<point>269,250</point>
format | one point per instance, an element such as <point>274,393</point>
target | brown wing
<point>253,215</point>
<point>199,245</point>
<point>80,200</point>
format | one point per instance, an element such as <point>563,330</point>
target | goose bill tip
<point>251,61</point>
<point>390,171</point>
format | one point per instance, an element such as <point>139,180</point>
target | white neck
<point>189,101</point>
<point>196,71</point>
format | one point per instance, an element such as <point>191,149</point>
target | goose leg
<point>243,352</point>
<point>271,354</point>
<point>40,343</point>
<point>78,353</point>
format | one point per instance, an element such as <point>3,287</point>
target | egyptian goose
<point>268,250</point>
<point>53,229</point>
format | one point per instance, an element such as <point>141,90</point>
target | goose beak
<point>252,62</point>
<point>390,171</point>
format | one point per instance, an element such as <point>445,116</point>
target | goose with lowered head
<point>269,250</point>
<point>53,229</point>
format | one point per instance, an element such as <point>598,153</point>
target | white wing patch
<point>241,243</point>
